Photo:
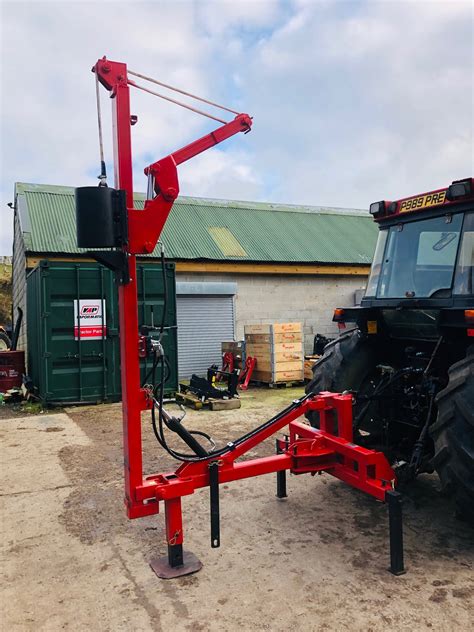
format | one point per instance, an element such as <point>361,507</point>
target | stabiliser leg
<point>281,475</point>
<point>394,501</point>
<point>178,562</point>
<point>175,555</point>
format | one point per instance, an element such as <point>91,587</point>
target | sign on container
<point>89,319</point>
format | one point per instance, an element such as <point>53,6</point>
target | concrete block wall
<point>281,298</point>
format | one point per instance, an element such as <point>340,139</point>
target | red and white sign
<point>89,319</point>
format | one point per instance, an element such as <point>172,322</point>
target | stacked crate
<point>278,348</point>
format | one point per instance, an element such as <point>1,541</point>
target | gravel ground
<point>316,561</point>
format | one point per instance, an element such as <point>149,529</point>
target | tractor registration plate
<point>422,201</point>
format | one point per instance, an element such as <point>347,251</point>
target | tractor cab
<point>421,282</point>
<point>425,246</point>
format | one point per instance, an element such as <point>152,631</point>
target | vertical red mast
<point>144,229</point>
<point>113,76</point>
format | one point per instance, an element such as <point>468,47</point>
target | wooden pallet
<point>278,350</point>
<point>288,384</point>
<point>190,400</point>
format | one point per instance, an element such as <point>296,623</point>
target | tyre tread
<point>453,436</point>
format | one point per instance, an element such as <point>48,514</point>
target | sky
<point>353,101</point>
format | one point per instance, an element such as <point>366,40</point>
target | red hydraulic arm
<point>145,226</point>
<point>163,176</point>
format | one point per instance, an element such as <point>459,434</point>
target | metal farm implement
<point>106,218</point>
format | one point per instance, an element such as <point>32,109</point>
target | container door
<point>73,329</point>
<point>79,333</point>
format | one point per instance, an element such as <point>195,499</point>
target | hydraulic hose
<point>380,388</point>
<point>165,290</point>
<point>159,434</point>
<point>163,322</point>
<point>174,424</point>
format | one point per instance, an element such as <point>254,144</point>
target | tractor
<point>407,352</point>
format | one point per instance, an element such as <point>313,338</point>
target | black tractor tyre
<point>347,364</point>
<point>453,436</point>
<point>5,342</point>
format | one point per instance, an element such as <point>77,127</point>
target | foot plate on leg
<point>161,567</point>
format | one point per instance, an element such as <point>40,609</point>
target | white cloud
<point>220,16</point>
<point>364,99</point>
<point>49,129</point>
<point>353,101</point>
<point>220,174</point>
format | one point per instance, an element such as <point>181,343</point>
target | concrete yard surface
<point>316,561</point>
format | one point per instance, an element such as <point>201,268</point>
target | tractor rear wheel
<point>453,436</point>
<point>4,341</point>
<point>348,363</point>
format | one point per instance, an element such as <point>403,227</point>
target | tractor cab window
<point>463,280</point>
<point>420,258</point>
<point>376,264</point>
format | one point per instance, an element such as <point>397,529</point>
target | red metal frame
<point>308,450</point>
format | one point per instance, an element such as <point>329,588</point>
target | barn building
<point>236,262</point>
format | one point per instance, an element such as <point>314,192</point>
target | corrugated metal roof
<point>226,242</point>
<point>260,232</point>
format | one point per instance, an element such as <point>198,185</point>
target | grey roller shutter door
<point>203,323</point>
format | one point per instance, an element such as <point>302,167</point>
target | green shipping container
<point>73,329</point>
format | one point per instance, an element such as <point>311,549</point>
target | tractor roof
<point>458,191</point>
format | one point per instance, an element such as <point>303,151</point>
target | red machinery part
<point>228,362</point>
<point>12,368</point>
<point>246,373</point>
<point>329,448</point>
<point>227,365</point>
<point>307,450</point>
<point>145,226</point>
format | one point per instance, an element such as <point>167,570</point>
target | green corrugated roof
<point>265,232</point>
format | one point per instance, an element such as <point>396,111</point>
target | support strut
<point>281,476</point>
<point>394,501</point>
<point>214,498</point>
<point>178,562</point>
